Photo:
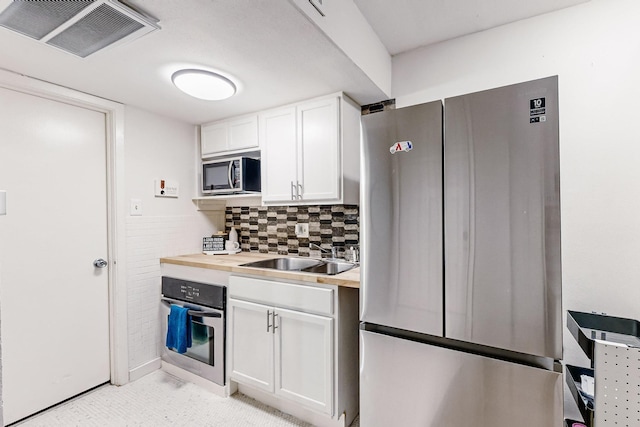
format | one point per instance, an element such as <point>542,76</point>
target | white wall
<point>594,48</point>
<point>1,401</point>
<point>345,25</point>
<point>157,147</point>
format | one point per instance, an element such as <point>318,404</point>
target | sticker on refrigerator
<point>401,146</point>
<point>537,119</point>
<point>537,110</point>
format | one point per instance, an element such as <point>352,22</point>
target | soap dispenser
<point>233,235</point>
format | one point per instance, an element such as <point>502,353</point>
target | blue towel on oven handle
<point>179,329</point>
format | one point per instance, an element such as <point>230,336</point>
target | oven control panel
<point>190,291</point>
<point>205,294</point>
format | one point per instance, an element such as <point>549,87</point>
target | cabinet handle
<point>299,190</point>
<point>268,319</point>
<point>293,188</point>
<point>274,322</point>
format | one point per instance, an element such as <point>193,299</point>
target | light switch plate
<point>166,188</point>
<point>136,207</point>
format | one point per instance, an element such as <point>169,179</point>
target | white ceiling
<point>274,52</point>
<point>403,25</point>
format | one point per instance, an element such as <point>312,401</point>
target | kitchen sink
<point>308,265</point>
<point>286,264</point>
<point>330,267</point>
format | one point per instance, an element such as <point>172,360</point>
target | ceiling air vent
<point>78,27</point>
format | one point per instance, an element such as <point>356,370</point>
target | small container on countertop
<point>233,235</point>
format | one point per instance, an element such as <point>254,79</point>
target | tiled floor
<point>160,399</point>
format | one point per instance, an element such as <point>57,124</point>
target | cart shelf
<point>588,327</point>
<point>613,346</point>
<point>585,405</point>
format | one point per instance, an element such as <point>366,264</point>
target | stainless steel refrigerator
<point>461,316</point>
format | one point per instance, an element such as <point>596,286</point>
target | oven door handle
<point>197,313</point>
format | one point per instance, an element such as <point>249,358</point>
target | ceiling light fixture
<point>203,84</point>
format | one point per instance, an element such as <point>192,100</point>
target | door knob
<point>100,263</point>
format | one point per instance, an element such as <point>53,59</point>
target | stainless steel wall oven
<point>206,304</point>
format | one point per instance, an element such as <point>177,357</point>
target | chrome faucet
<point>333,251</point>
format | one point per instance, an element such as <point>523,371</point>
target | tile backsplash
<point>271,229</point>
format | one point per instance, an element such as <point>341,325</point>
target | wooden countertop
<point>232,263</point>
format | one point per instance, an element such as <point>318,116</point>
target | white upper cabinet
<point>310,152</point>
<point>229,136</point>
<point>319,150</point>
<point>213,138</point>
<point>278,132</point>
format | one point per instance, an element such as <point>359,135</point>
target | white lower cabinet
<point>304,358</point>
<point>251,345</point>
<point>282,339</point>
<point>281,351</point>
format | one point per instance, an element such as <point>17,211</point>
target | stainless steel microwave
<point>231,176</point>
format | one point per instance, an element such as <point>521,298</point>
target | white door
<point>53,301</point>
<point>250,341</point>
<point>319,149</point>
<point>278,144</point>
<point>304,359</point>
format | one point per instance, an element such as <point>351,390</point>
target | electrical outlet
<point>302,230</point>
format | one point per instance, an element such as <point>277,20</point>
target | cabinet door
<point>243,133</point>
<point>250,352</point>
<point>213,139</point>
<point>278,144</point>
<point>304,359</point>
<point>319,149</point>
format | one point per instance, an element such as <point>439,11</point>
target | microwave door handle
<point>231,186</point>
